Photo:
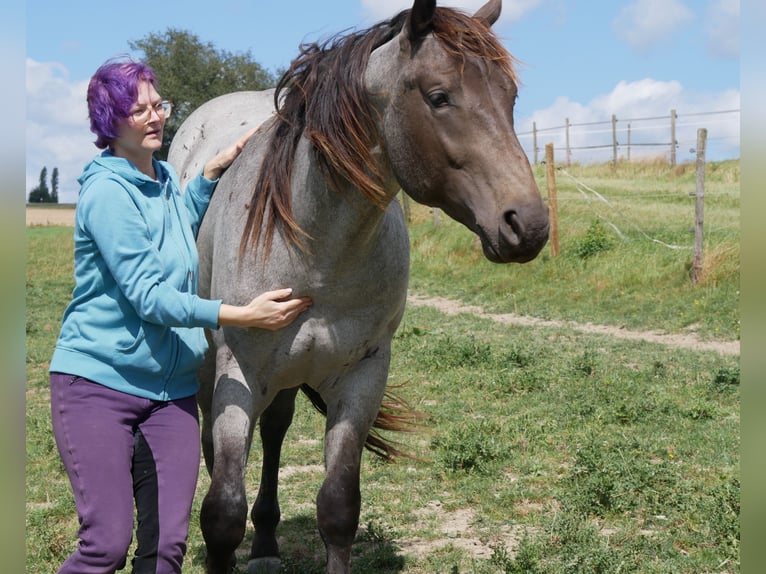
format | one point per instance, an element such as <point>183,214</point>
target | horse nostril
<point>512,219</point>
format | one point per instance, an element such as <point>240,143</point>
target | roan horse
<point>422,102</point>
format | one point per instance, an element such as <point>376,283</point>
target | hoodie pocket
<point>150,351</point>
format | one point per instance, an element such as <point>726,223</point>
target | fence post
<point>673,141</point>
<point>699,208</point>
<point>569,149</point>
<point>553,209</point>
<point>534,140</point>
<point>628,142</point>
<point>614,139</point>
<point>405,201</point>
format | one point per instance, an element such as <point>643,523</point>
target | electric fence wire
<point>582,187</point>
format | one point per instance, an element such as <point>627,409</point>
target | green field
<point>545,450</point>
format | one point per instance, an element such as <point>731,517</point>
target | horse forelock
<point>462,35</point>
<point>325,100</point>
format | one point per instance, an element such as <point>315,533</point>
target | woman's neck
<point>143,162</point>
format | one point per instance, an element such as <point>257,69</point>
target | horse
<point>423,103</point>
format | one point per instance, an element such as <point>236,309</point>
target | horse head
<point>444,91</point>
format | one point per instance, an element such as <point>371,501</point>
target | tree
<point>40,194</point>
<point>55,185</point>
<point>191,72</point>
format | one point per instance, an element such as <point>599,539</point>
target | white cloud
<point>512,9</point>
<point>644,105</point>
<point>57,129</point>
<point>722,28</point>
<point>645,22</point>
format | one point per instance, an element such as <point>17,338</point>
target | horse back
<point>216,125</point>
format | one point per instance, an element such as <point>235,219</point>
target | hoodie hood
<point>107,162</point>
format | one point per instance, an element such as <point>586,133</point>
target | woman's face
<point>140,134</point>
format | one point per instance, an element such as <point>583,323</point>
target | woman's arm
<point>215,167</point>
<point>271,310</point>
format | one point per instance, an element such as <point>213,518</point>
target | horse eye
<point>438,99</point>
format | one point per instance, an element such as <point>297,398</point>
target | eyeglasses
<point>143,115</point>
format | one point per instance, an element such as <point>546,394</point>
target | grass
<point>545,450</point>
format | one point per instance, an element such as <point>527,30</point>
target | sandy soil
<point>50,216</point>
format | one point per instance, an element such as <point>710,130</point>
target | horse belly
<point>324,348</point>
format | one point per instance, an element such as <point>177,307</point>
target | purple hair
<point>112,91</point>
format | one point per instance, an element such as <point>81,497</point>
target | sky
<point>579,61</point>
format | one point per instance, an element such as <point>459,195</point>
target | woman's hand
<point>216,166</point>
<point>271,310</point>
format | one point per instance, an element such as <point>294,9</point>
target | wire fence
<point>632,138</point>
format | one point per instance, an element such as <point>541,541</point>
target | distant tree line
<point>42,193</point>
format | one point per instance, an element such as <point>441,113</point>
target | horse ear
<point>419,21</point>
<point>490,12</point>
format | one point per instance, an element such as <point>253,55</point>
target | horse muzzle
<point>519,236</point>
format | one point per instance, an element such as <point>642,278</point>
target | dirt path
<point>686,341</point>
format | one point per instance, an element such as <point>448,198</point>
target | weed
<point>724,512</point>
<point>471,447</point>
<point>596,241</point>
<point>585,363</point>
<point>726,379</point>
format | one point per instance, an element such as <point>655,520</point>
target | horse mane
<point>325,100</point>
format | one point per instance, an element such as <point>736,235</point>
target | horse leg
<point>350,416</point>
<point>274,422</point>
<point>206,376</point>
<point>223,514</point>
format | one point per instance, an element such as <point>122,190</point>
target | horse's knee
<point>338,506</point>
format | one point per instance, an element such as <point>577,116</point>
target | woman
<point>123,374</point>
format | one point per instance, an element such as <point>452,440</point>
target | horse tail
<point>394,415</point>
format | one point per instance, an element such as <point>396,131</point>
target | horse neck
<point>341,218</point>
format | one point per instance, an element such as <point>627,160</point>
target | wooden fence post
<point>569,149</point>
<point>699,208</point>
<point>405,201</point>
<point>534,140</point>
<point>553,208</point>
<point>614,139</point>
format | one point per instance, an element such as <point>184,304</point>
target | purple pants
<point>118,448</point>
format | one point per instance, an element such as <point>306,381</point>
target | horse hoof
<point>265,565</point>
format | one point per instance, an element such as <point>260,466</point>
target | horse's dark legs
<point>351,410</point>
<point>206,376</point>
<point>223,515</point>
<point>338,506</point>
<point>275,421</point>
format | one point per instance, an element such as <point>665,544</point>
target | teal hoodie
<point>134,320</point>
